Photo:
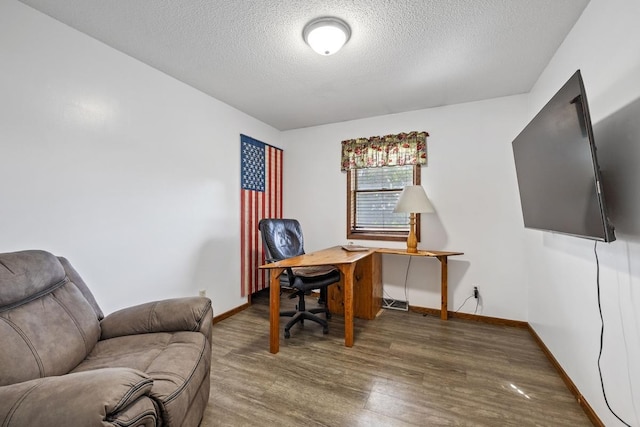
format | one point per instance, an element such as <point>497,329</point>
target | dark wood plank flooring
<point>405,369</point>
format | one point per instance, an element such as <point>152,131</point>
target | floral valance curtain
<point>389,150</point>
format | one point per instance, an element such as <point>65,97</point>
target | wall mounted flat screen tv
<point>559,178</point>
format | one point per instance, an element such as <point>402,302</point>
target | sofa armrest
<point>172,315</point>
<point>88,398</point>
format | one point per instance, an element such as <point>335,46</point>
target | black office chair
<point>281,239</point>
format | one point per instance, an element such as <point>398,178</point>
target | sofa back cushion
<point>47,326</point>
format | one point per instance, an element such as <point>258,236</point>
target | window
<point>372,194</point>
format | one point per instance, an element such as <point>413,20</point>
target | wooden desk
<point>346,262</point>
<point>443,258</point>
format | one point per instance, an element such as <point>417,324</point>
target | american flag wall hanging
<point>260,197</point>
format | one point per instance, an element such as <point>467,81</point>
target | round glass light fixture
<point>326,35</point>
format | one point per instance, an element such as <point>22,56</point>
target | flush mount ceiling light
<point>326,35</point>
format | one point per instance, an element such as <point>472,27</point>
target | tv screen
<point>558,175</point>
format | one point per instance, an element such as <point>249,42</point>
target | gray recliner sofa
<point>62,363</point>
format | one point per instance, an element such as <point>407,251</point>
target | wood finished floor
<point>405,369</point>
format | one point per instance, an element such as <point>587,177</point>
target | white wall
<point>134,177</point>
<point>563,306</point>
<point>546,279</point>
<point>130,174</point>
<point>470,179</point>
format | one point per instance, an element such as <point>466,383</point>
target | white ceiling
<point>403,55</point>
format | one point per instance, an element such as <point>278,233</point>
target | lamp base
<point>412,240</point>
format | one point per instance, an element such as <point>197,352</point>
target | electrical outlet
<point>202,293</point>
<point>476,292</point>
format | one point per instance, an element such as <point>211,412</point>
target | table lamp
<point>413,199</point>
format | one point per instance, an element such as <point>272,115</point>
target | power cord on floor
<point>406,276</point>
<point>604,393</point>
<point>389,301</point>
<point>465,301</point>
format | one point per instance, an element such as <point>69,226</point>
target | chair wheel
<point>325,330</point>
<point>287,334</point>
<point>328,315</point>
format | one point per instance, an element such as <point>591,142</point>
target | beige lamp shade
<point>413,199</point>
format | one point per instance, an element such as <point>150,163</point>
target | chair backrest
<point>281,238</point>
<point>49,320</point>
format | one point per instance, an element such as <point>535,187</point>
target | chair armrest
<point>171,315</point>
<point>83,399</point>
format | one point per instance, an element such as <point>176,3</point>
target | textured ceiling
<point>402,55</point>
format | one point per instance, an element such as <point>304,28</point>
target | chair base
<point>300,315</point>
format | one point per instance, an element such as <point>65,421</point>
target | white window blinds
<point>376,193</point>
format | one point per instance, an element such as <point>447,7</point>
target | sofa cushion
<point>73,275</point>
<point>27,274</point>
<point>113,396</point>
<point>173,359</point>
<point>172,315</point>
<point>46,324</point>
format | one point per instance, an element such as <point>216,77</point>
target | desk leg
<point>347,271</point>
<point>274,310</point>
<point>444,292</point>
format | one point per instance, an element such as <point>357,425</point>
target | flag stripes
<point>260,197</point>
